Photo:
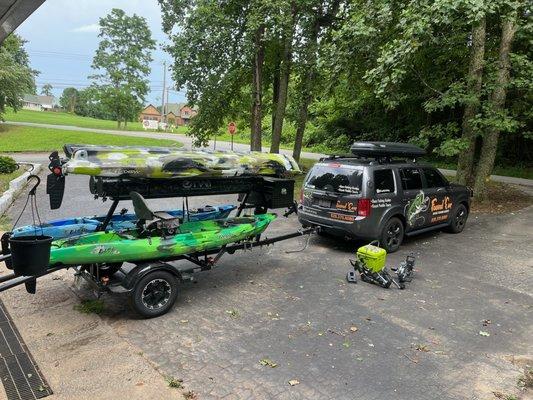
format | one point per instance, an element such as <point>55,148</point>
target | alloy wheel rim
<point>393,234</point>
<point>156,294</point>
<point>460,218</point>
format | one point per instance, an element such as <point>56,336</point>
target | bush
<point>7,165</point>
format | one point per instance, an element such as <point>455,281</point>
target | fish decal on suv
<point>414,208</point>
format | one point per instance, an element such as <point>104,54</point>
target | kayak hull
<point>114,247</point>
<point>69,227</point>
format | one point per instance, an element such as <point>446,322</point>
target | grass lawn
<point>63,118</point>
<point>6,178</point>
<point>30,139</point>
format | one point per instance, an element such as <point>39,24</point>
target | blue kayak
<point>69,227</point>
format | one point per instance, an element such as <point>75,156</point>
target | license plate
<point>323,203</point>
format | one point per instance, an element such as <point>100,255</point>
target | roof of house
<point>176,107</point>
<point>153,113</point>
<point>42,100</point>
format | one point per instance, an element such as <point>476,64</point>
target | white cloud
<point>92,28</point>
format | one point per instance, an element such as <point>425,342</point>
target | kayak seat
<point>159,220</point>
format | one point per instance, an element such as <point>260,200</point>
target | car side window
<point>411,179</point>
<point>434,179</point>
<point>383,181</point>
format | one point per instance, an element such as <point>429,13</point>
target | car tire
<point>154,294</point>
<point>458,221</point>
<point>392,235</point>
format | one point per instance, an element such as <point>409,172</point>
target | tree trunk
<point>118,123</point>
<point>275,89</point>
<point>465,164</point>
<point>257,90</point>
<point>285,72</point>
<point>490,140</point>
<point>306,90</point>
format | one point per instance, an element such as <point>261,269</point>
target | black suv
<point>373,195</point>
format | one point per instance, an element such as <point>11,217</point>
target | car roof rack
<point>380,152</point>
<point>386,149</point>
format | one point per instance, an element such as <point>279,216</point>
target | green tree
<point>69,98</point>
<point>496,105</point>
<point>122,64</point>
<point>16,76</point>
<point>46,90</point>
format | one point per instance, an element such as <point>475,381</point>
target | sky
<point>62,37</point>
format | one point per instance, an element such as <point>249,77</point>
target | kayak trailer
<point>152,285</point>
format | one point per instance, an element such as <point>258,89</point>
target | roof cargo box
<point>386,149</point>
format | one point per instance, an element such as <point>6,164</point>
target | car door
<point>436,186</point>
<point>414,199</point>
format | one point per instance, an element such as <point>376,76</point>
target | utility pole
<point>164,114</point>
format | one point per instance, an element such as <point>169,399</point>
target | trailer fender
<point>143,269</point>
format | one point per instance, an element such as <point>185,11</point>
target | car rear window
<point>383,181</point>
<point>334,177</point>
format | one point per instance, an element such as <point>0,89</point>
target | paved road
<point>187,141</point>
<point>297,311</point>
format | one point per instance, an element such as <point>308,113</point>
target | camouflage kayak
<point>113,247</point>
<point>65,228</point>
<point>159,162</point>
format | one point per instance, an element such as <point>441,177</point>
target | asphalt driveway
<point>460,330</point>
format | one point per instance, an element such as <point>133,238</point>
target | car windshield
<point>334,177</point>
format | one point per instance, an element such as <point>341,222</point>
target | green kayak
<point>197,236</point>
<point>161,163</point>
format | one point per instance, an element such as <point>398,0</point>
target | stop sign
<point>232,128</point>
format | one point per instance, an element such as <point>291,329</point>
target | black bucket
<point>30,255</point>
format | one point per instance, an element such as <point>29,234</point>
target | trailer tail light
<point>363,207</point>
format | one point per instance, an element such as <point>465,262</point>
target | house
<point>181,112</point>
<point>37,103</point>
<point>172,119</point>
<point>177,114</point>
<point>150,113</point>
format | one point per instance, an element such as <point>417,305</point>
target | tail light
<point>363,207</point>
<point>301,196</point>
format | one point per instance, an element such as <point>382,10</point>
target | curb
<point>15,187</point>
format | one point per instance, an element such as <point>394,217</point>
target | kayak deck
<point>69,227</point>
<point>192,237</point>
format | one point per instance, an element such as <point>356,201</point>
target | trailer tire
<point>154,294</point>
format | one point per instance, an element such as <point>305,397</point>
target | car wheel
<point>392,235</point>
<point>154,294</point>
<point>458,221</point>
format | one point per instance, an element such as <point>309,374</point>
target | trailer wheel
<point>154,294</point>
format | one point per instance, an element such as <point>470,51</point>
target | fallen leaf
<point>354,329</point>
<point>422,347</point>
<point>487,322</point>
<point>483,333</point>
<point>294,382</point>
<point>268,363</point>
<point>184,321</point>
<point>359,358</point>
<point>346,344</point>
<point>371,344</point>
